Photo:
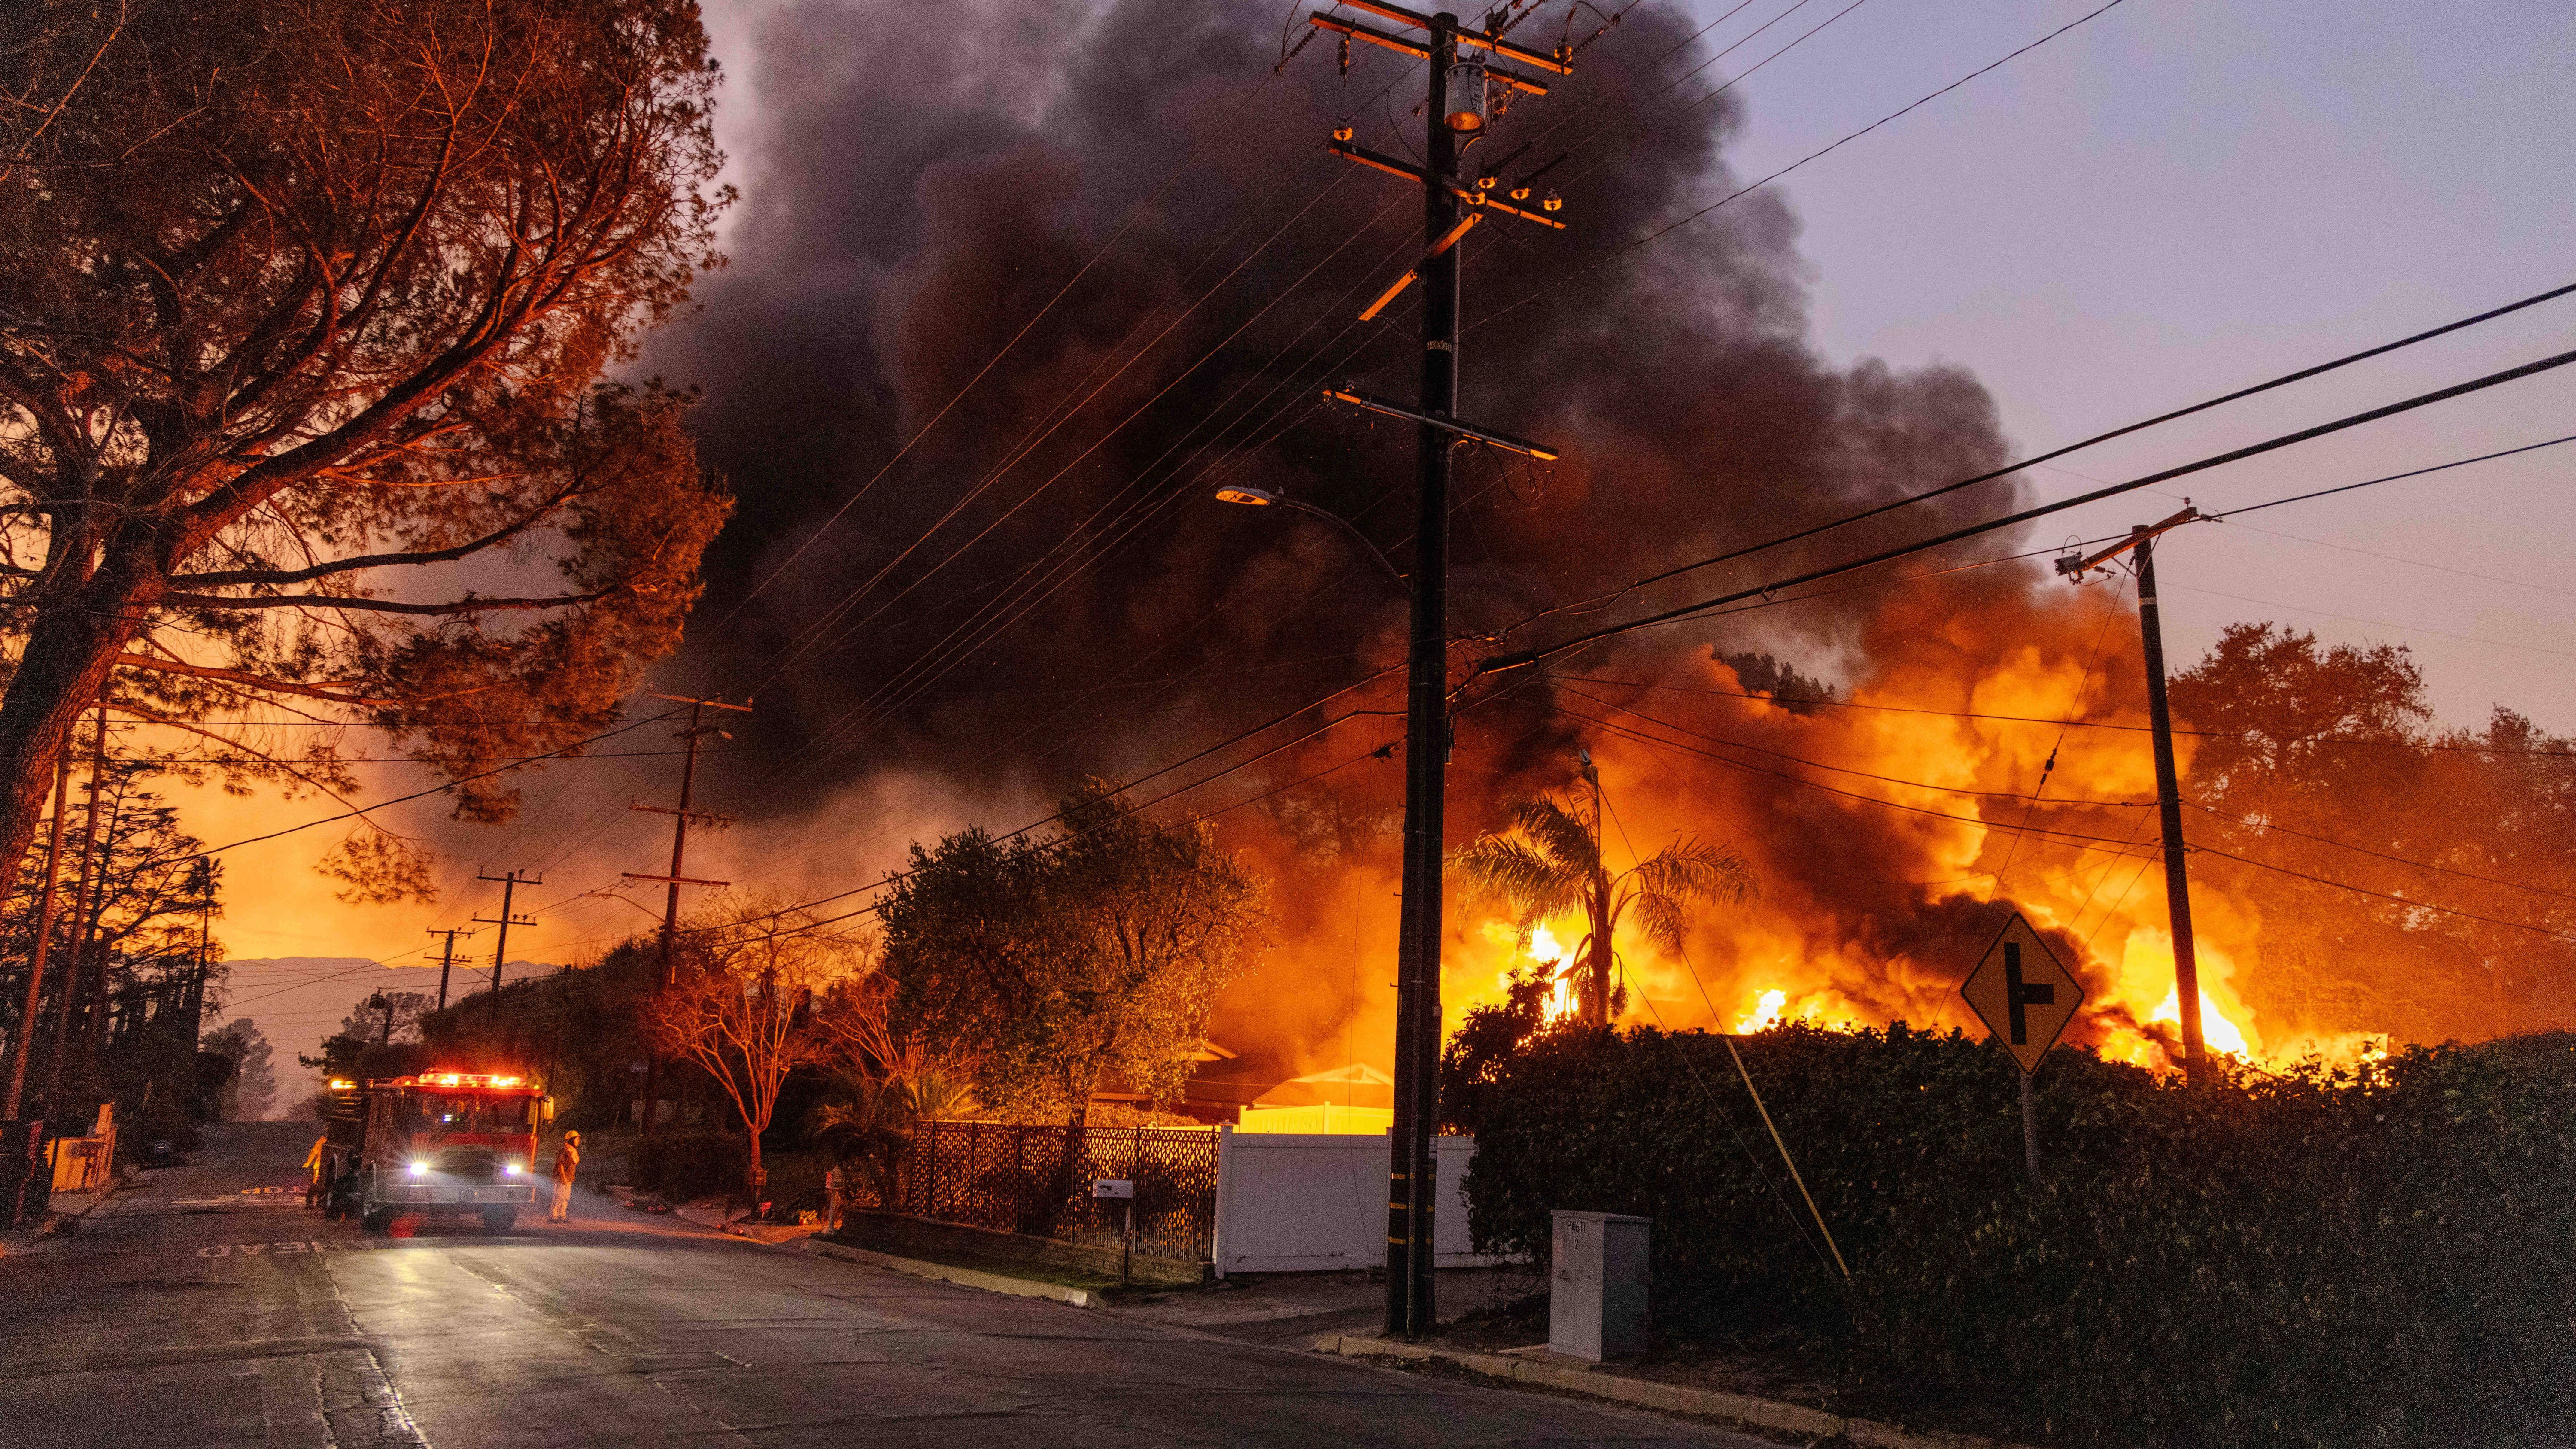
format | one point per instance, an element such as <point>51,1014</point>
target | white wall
<point>1302,1203</point>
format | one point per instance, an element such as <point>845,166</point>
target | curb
<point>18,1242</point>
<point>1652,1394</point>
<point>963,1277</point>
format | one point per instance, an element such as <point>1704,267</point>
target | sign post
<point>1120,1189</point>
<point>2025,996</point>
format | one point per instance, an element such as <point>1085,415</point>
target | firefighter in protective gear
<point>313,1165</point>
<point>567,1160</point>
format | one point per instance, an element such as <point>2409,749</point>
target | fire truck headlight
<point>420,1169</point>
<point>510,1169</point>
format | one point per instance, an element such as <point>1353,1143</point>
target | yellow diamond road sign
<point>2021,993</point>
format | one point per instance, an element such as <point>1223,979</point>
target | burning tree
<point>758,992</point>
<point>2324,761</point>
<point>1548,862</point>
<point>1053,961</point>
<point>301,300</point>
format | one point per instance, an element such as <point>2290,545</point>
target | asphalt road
<point>201,1310</point>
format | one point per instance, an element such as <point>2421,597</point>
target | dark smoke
<point>925,177</point>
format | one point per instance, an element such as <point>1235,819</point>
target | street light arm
<point>1376,554</point>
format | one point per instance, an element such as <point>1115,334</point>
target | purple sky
<point>2180,198</point>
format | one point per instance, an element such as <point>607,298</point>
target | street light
<point>1264,498</point>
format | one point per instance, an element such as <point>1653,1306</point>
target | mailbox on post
<point>1120,1189</point>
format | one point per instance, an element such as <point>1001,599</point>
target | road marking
<point>254,1250</point>
<point>237,1201</point>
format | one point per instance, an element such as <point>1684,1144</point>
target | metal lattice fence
<point>1037,1180</point>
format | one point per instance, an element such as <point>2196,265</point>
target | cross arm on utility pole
<point>709,817</point>
<point>1419,51</point>
<point>672,879</point>
<point>1561,62</point>
<point>742,708</point>
<point>1442,421</point>
<point>2075,567</point>
<point>1379,160</point>
<point>513,920</point>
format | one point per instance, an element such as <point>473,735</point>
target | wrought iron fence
<point>1037,1180</point>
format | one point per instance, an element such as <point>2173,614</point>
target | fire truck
<point>459,1143</point>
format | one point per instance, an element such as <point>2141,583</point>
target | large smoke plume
<point>922,179</point>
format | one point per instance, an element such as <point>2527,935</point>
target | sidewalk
<point>1538,1366</point>
<point>61,1220</point>
<point>712,1217</point>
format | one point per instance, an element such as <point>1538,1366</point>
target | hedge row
<point>2311,1258</point>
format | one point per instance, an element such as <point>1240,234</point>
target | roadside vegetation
<point>2375,1255</point>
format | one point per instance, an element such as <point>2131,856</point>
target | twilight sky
<point>2176,199</point>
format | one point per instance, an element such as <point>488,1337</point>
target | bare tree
<point>755,998</point>
<point>304,307</point>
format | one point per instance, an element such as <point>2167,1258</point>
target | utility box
<point>1597,1296</point>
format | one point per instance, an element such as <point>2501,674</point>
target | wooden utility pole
<point>447,956</point>
<point>510,883</point>
<point>202,881</point>
<point>680,818</point>
<point>25,1046</point>
<point>2142,542</point>
<point>1459,112</point>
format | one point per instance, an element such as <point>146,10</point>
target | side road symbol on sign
<point>2022,993</point>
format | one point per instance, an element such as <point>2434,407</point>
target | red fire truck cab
<point>441,1142</point>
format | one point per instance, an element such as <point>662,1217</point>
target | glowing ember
<point>1765,1013</point>
<point>2220,1033</point>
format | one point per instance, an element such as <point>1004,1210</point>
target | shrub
<point>686,1165</point>
<point>2310,1257</point>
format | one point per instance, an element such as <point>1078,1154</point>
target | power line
<point>2222,517</point>
<point>1135,212</point>
<point>1609,257</point>
<point>2077,838</point>
<point>2284,380</point>
<point>1797,702</point>
<point>1847,770</point>
<point>2493,379</point>
<point>2380,854</point>
<point>2375,623</point>
<point>2405,901</point>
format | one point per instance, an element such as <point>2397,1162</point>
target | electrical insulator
<point>1520,193</point>
<point>1475,198</point>
<point>1468,107</point>
<point>1341,133</point>
<point>1553,202</point>
<point>1488,183</point>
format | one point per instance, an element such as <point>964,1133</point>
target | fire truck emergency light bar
<point>1504,441</point>
<point>453,1079</point>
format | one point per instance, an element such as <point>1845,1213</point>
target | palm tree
<point>1548,861</point>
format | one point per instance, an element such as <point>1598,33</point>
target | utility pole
<point>680,819</point>
<point>383,1003</point>
<point>447,956</point>
<point>510,883</point>
<point>25,1046</point>
<point>2142,541</point>
<point>202,881</point>
<point>1459,112</point>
